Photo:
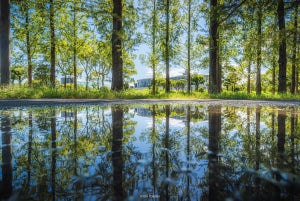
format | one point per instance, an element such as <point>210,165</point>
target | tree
<point>282,47</point>
<point>117,62</point>
<point>197,80</point>
<point>167,39</point>
<point>4,41</point>
<point>42,74</point>
<point>18,73</point>
<point>259,46</point>
<point>52,44</point>
<point>294,54</point>
<point>213,49</point>
<point>28,39</point>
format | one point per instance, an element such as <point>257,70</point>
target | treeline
<point>250,45</point>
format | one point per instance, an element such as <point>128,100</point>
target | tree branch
<point>232,12</point>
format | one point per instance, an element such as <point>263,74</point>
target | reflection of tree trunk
<point>188,127</point>
<point>167,147</point>
<point>257,138</point>
<point>153,149</point>
<point>273,125</point>
<point>75,141</point>
<point>248,127</point>
<point>214,127</point>
<point>281,133</point>
<point>29,147</point>
<point>257,149</point>
<point>293,132</point>
<point>53,146</point>
<point>117,159</point>
<point>6,157</point>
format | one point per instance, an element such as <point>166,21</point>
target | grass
<point>21,92</point>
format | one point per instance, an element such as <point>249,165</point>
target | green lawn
<point>46,92</point>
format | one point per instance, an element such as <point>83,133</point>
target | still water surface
<point>150,152</point>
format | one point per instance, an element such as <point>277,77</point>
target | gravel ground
<point>13,103</point>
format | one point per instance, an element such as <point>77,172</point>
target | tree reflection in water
<point>7,171</point>
<point>151,152</point>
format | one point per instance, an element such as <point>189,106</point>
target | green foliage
<point>105,93</point>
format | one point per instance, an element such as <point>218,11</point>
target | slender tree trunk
<point>274,75</point>
<point>213,49</point>
<point>249,77</point>
<point>65,82</point>
<point>219,62</point>
<point>294,56</point>
<point>153,60</point>
<point>28,46</point>
<point>282,47</point>
<point>75,45</point>
<point>297,81</point>
<point>117,67</point>
<point>189,50</point>
<point>167,46</point>
<point>4,41</point>
<point>259,44</point>
<point>52,44</point>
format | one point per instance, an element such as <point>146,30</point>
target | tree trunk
<point>153,60</point>
<point>213,49</point>
<point>274,76</point>
<point>259,44</point>
<point>249,77</point>
<point>75,46</point>
<point>52,44</point>
<point>28,46</point>
<point>189,50</point>
<point>282,47</point>
<point>294,56</point>
<point>117,67</point>
<point>167,47</point>
<point>4,41</point>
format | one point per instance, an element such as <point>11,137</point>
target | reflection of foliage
<point>83,151</point>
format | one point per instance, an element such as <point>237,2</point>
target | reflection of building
<point>144,112</point>
<point>142,83</point>
<point>67,114</point>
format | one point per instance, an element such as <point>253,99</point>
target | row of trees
<point>237,40</point>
